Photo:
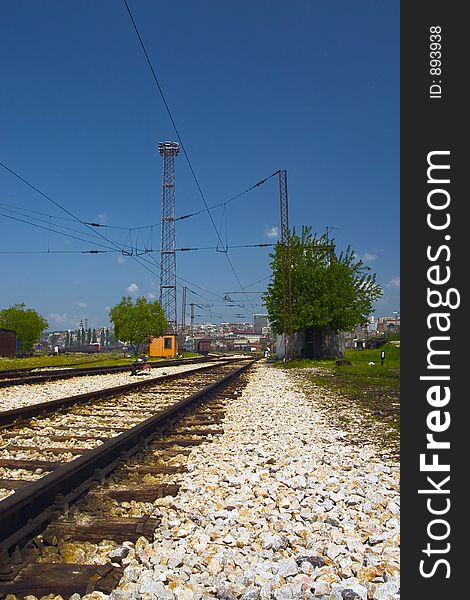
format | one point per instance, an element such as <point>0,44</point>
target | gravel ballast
<point>26,395</point>
<point>287,503</point>
<point>282,505</point>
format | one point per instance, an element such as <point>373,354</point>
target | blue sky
<point>254,86</point>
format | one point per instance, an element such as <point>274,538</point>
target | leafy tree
<point>329,293</point>
<point>137,322</point>
<point>94,337</point>
<point>27,323</point>
<point>102,338</point>
<point>88,335</point>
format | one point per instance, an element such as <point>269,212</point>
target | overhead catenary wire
<point>182,146</point>
<point>116,246</point>
<point>50,199</point>
<point>139,260</point>
<point>59,232</point>
<point>193,214</point>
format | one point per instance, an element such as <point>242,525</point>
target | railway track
<point>49,462</point>
<point>29,376</point>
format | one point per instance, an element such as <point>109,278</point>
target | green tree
<point>94,337</point>
<point>329,293</point>
<point>137,322</point>
<point>27,323</point>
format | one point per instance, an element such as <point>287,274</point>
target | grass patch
<point>64,360</point>
<point>77,360</point>
<point>190,355</point>
<point>373,389</point>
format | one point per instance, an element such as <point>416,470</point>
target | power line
<point>55,231</point>
<point>16,212</point>
<point>37,190</point>
<point>194,214</point>
<point>231,246</point>
<point>54,251</point>
<point>229,200</point>
<point>116,246</point>
<point>149,62</point>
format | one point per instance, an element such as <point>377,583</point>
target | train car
<point>204,346</point>
<point>8,343</point>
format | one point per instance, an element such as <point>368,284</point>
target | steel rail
<point>17,415</point>
<point>27,510</point>
<point>8,379</point>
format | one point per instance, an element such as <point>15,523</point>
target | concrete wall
<point>307,345</point>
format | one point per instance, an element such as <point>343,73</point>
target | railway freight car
<point>204,346</point>
<point>8,345</point>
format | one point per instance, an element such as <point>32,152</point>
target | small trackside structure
<point>310,344</point>
<point>165,346</point>
<point>8,346</point>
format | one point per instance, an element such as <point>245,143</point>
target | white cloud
<point>151,296</point>
<point>120,260</point>
<point>80,304</point>
<point>272,232</point>
<point>395,282</point>
<point>57,319</point>
<point>369,256</point>
<point>133,288</point>
<point>103,218</point>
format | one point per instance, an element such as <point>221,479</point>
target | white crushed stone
<point>282,505</point>
<point>25,395</point>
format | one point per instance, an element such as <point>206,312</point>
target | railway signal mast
<point>286,265</point>
<point>168,239</point>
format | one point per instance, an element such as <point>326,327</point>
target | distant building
<point>260,321</point>
<point>388,324</point>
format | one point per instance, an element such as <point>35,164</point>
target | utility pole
<point>285,265</point>
<point>192,324</point>
<point>183,316</point>
<point>168,242</point>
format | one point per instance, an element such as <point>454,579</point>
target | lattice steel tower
<point>168,241</point>
<point>286,265</point>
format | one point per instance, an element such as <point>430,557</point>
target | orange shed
<point>165,346</point>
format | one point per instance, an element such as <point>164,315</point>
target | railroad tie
<point>189,430</point>
<point>118,529</point>
<point>42,579</point>
<point>209,415</point>
<point>55,438</point>
<point>177,442</point>
<point>157,469</point>
<point>30,465</point>
<point>51,450</point>
<point>138,493</point>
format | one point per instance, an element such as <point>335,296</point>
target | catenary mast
<point>168,240</point>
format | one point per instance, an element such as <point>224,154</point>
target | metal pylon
<point>168,240</point>
<point>286,265</point>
